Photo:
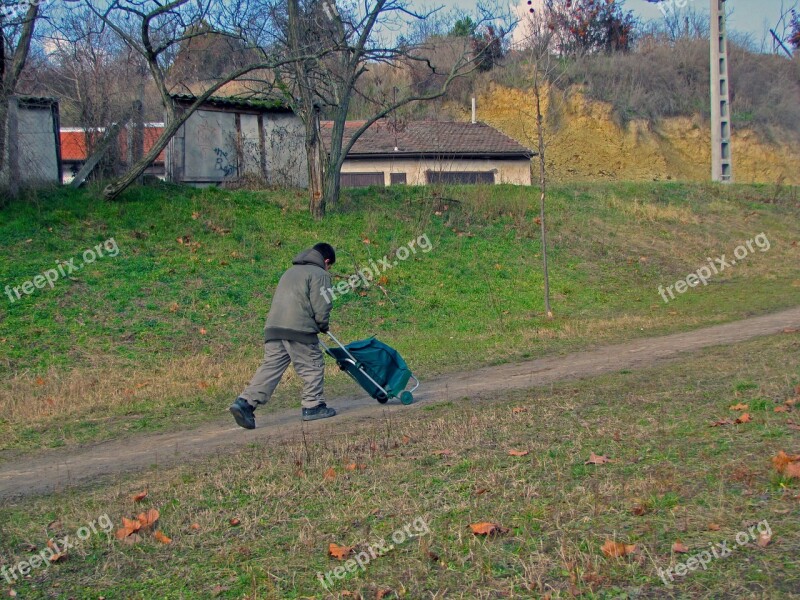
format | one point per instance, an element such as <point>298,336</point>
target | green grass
<point>654,424</point>
<point>166,328</point>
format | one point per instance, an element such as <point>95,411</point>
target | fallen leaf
<point>721,423</point>
<point>781,409</point>
<point>617,549</point>
<point>39,381</point>
<point>329,474</point>
<point>203,331</point>
<point>740,406</point>
<point>195,215</point>
<point>764,540</point>
<point>129,527</point>
<point>382,593</point>
<point>58,557</point>
<point>639,509</point>
<point>792,470</point>
<point>486,528</point>
<point>790,402</point>
<point>679,547</point>
<point>173,307</point>
<point>159,535</point>
<point>443,453</point>
<point>195,526</point>
<point>782,460</point>
<point>148,519</point>
<point>518,409</point>
<point>140,496</point>
<point>713,527</point>
<point>340,552</point>
<point>518,453</point>
<point>406,439</point>
<point>354,466</point>
<point>481,491</point>
<point>235,522</point>
<point>383,280</point>
<point>745,418</point>
<point>597,460</point>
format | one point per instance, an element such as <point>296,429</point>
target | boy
<point>297,314</point>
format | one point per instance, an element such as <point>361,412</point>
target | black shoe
<point>243,413</point>
<point>321,411</point>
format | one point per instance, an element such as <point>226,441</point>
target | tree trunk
<point>332,184</point>
<point>315,173</point>
<point>543,188</point>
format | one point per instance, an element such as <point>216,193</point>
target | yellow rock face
<point>584,142</point>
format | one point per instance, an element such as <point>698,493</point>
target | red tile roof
<point>74,143</point>
<point>428,138</point>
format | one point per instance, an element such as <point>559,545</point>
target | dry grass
<point>653,424</point>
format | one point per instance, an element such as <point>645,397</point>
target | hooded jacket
<point>301,305</point>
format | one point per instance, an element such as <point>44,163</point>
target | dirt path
<point>54,470</point>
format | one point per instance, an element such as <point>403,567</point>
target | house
<point>228,139</point>
<point>428,152</point>
<point>33,150</point>
<point>77,141</point>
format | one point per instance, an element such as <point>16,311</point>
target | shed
<point>228,139</point>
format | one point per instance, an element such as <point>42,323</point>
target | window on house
<point>468,177</point>
<point>398,178</point>
<point>362,179</point>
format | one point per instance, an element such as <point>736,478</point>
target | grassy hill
<point>171,325</point>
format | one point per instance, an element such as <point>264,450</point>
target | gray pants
<point>308,363</point>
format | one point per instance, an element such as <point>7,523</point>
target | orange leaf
<point>679,547</point>
<point>58,557</point>
<point>140,496</point>
<point>740,406</point>
<point>350,467</point>
<point>234,522</point>
<point>486,528</point>
<point>597,460</point>
<point>203,331</point>
<point>39,381</point>
<point>745,418</point>
<point>792,470</point>
<point>617,549</point>
<point>329,474</point>
<point>159,535</point>
<point>713,527</point>
<point>382,593</point>
<point>406,439</point>
<point>781,409</point>
<point>148,519</point>
<point>517,452</point>
<point>639,510</point>
<point>764,540</point>
<point>383,280</point>
<point>195,526</point>
<point>518,409</point>
<point>340,552</point>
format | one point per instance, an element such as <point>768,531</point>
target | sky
<point>753,17</point>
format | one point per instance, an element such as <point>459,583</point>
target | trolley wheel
<point>406,398</point>
<point>382,398</point>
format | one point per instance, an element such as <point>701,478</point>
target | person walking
<point>300,310</point>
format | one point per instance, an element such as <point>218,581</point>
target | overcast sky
<point>749,16</point>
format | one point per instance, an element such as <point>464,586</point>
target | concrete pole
<point>721,157</point>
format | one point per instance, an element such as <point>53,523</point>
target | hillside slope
<point>585,142</point>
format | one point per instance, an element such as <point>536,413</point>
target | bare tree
<point>16,34</point>
<point>161,29</point>
<point>350,37</point>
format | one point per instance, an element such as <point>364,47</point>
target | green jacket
<point>299,308</point>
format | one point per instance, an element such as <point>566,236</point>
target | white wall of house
<point>512,171</point>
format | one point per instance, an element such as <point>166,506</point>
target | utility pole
<point>721,158</point>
